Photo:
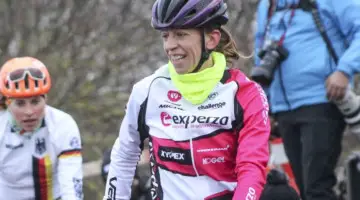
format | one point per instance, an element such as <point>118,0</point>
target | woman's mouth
<point>29,122</point>
<point>176,58</point>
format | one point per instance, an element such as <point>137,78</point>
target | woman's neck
<point>207,64</point>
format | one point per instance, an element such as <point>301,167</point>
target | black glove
<point>277,187</point>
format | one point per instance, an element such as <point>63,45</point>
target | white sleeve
<point>125,153</point>
<point>70,162</point>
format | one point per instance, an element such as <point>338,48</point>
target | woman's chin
<point>180,69</point>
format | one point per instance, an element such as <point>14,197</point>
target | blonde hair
<point>227,45</point>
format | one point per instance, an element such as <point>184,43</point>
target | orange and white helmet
<point>24,77</point>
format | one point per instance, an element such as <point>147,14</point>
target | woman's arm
<point>69,167</point>
<point>253,150</point>
<point>125,153</point>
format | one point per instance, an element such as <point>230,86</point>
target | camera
<point>349,106</point>
<point>271,57</point>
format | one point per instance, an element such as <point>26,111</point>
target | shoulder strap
<point>311,6</point>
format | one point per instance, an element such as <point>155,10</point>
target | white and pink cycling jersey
<point>213,151</point>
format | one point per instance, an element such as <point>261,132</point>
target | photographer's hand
<point>336,85</point>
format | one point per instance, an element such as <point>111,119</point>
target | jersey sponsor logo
<point>40,146</point>
<point>264,101</point>
<point>112,189</point>
<point>173,103</point>
<point>75,143</point>
<point>165,117</point>
<point>13,147</point>
<point>173,154</point>
<point>213,95</point>
<point>155,189</point>
<point>194,121</point>
<point>213,160</point>
<point>169,106</point>
<point>251,195</point>
<point>214,149</point>
<point>174,96</point>
<point>212,106</point>
<point>78,185</point>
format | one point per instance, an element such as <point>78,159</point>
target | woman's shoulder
<point>246,85</point>
<point>239,76</point>
<point>57,116</point>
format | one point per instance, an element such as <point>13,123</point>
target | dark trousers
<point>312,139</point>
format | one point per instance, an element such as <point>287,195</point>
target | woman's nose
<point>28,110</point>
<point>170,43</point>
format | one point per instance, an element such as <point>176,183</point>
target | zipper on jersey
<point>192,157</point>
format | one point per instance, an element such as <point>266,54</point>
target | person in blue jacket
<point>303,80</point>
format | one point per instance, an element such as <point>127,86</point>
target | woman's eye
<point>20,103</point>
<point>180,34</point>
<point>164,36</point>
<point>35,101</point>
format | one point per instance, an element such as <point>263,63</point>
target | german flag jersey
<point>43,165</point>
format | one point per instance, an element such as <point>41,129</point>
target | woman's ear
<point>212,39</point>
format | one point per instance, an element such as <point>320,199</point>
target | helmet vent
<point>26,79</point>
<point>163,11</point>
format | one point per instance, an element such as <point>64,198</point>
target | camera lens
<point>349,106</point>
<point>271,57</point>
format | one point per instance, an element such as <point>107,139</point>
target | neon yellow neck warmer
<point>196,87</point>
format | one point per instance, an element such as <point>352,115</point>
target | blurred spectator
<point>303,76</point>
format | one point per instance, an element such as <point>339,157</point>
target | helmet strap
<point>205,54</point>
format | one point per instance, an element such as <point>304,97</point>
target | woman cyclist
<point>207,125</point>
<point>40,154</point>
